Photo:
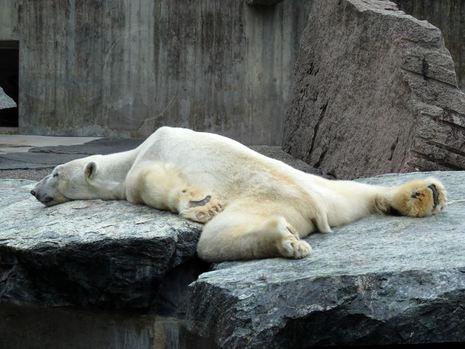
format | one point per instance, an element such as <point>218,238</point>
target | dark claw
<point>200,202</point>
<point>435,195</point>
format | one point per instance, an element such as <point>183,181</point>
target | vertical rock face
<point>375,91</point>
<point>449,16</point>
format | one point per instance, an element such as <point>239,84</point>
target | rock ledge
<point>382,280</point>
<point>106,254</point>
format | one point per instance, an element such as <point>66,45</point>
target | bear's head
<point>75,180</point>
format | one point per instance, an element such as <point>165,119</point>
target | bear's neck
<point>115,168</point>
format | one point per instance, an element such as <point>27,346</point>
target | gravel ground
<point>45,158</point>
<point>24,174</point>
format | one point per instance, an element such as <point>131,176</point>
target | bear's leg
<point>417,198</point>
<point>235,234</point>
<point>162,186</point>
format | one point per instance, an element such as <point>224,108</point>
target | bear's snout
<point>45,199</point>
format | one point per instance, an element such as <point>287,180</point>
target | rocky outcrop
<point>91,253</point>
<point>5,101</point>
<point>375,91</point>
<point>381,280</point>
<point>449,16</point>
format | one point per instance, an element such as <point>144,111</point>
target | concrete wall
<point>126,67</point>
<point>449,16</point>
<point>9,20</point>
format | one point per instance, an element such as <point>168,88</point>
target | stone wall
<point>126,67</point>
<point>449,16</point>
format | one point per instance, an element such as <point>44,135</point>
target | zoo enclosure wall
<point>124,68</point>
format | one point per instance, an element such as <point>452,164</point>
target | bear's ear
<point>90,170</point>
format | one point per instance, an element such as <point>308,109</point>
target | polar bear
<point>252,206</point>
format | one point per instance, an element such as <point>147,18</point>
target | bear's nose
<point>33,192</point>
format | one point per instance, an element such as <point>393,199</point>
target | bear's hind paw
<point>420,198</point>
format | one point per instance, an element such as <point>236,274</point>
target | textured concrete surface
<point>375,92</point>
<point>449,16</point>
<point>9,20</point>
<point>125,67</point>
<point>6,101</point>
<point>382,280</point>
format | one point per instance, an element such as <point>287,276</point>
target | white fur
<point>267,206</point>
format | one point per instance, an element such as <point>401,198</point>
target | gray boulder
<point>105,254</point>
<point>375,91</point>
<point>6,101</point>
<point>382,280</point>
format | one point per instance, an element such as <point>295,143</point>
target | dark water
<point>71,328</point>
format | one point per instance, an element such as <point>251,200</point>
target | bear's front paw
<point>420,198</point>
<point>202,210</point>
<point>291,247</point>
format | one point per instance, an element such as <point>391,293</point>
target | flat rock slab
<point>381,280</point>
<point>107,254</point>
<point>375,91</point>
